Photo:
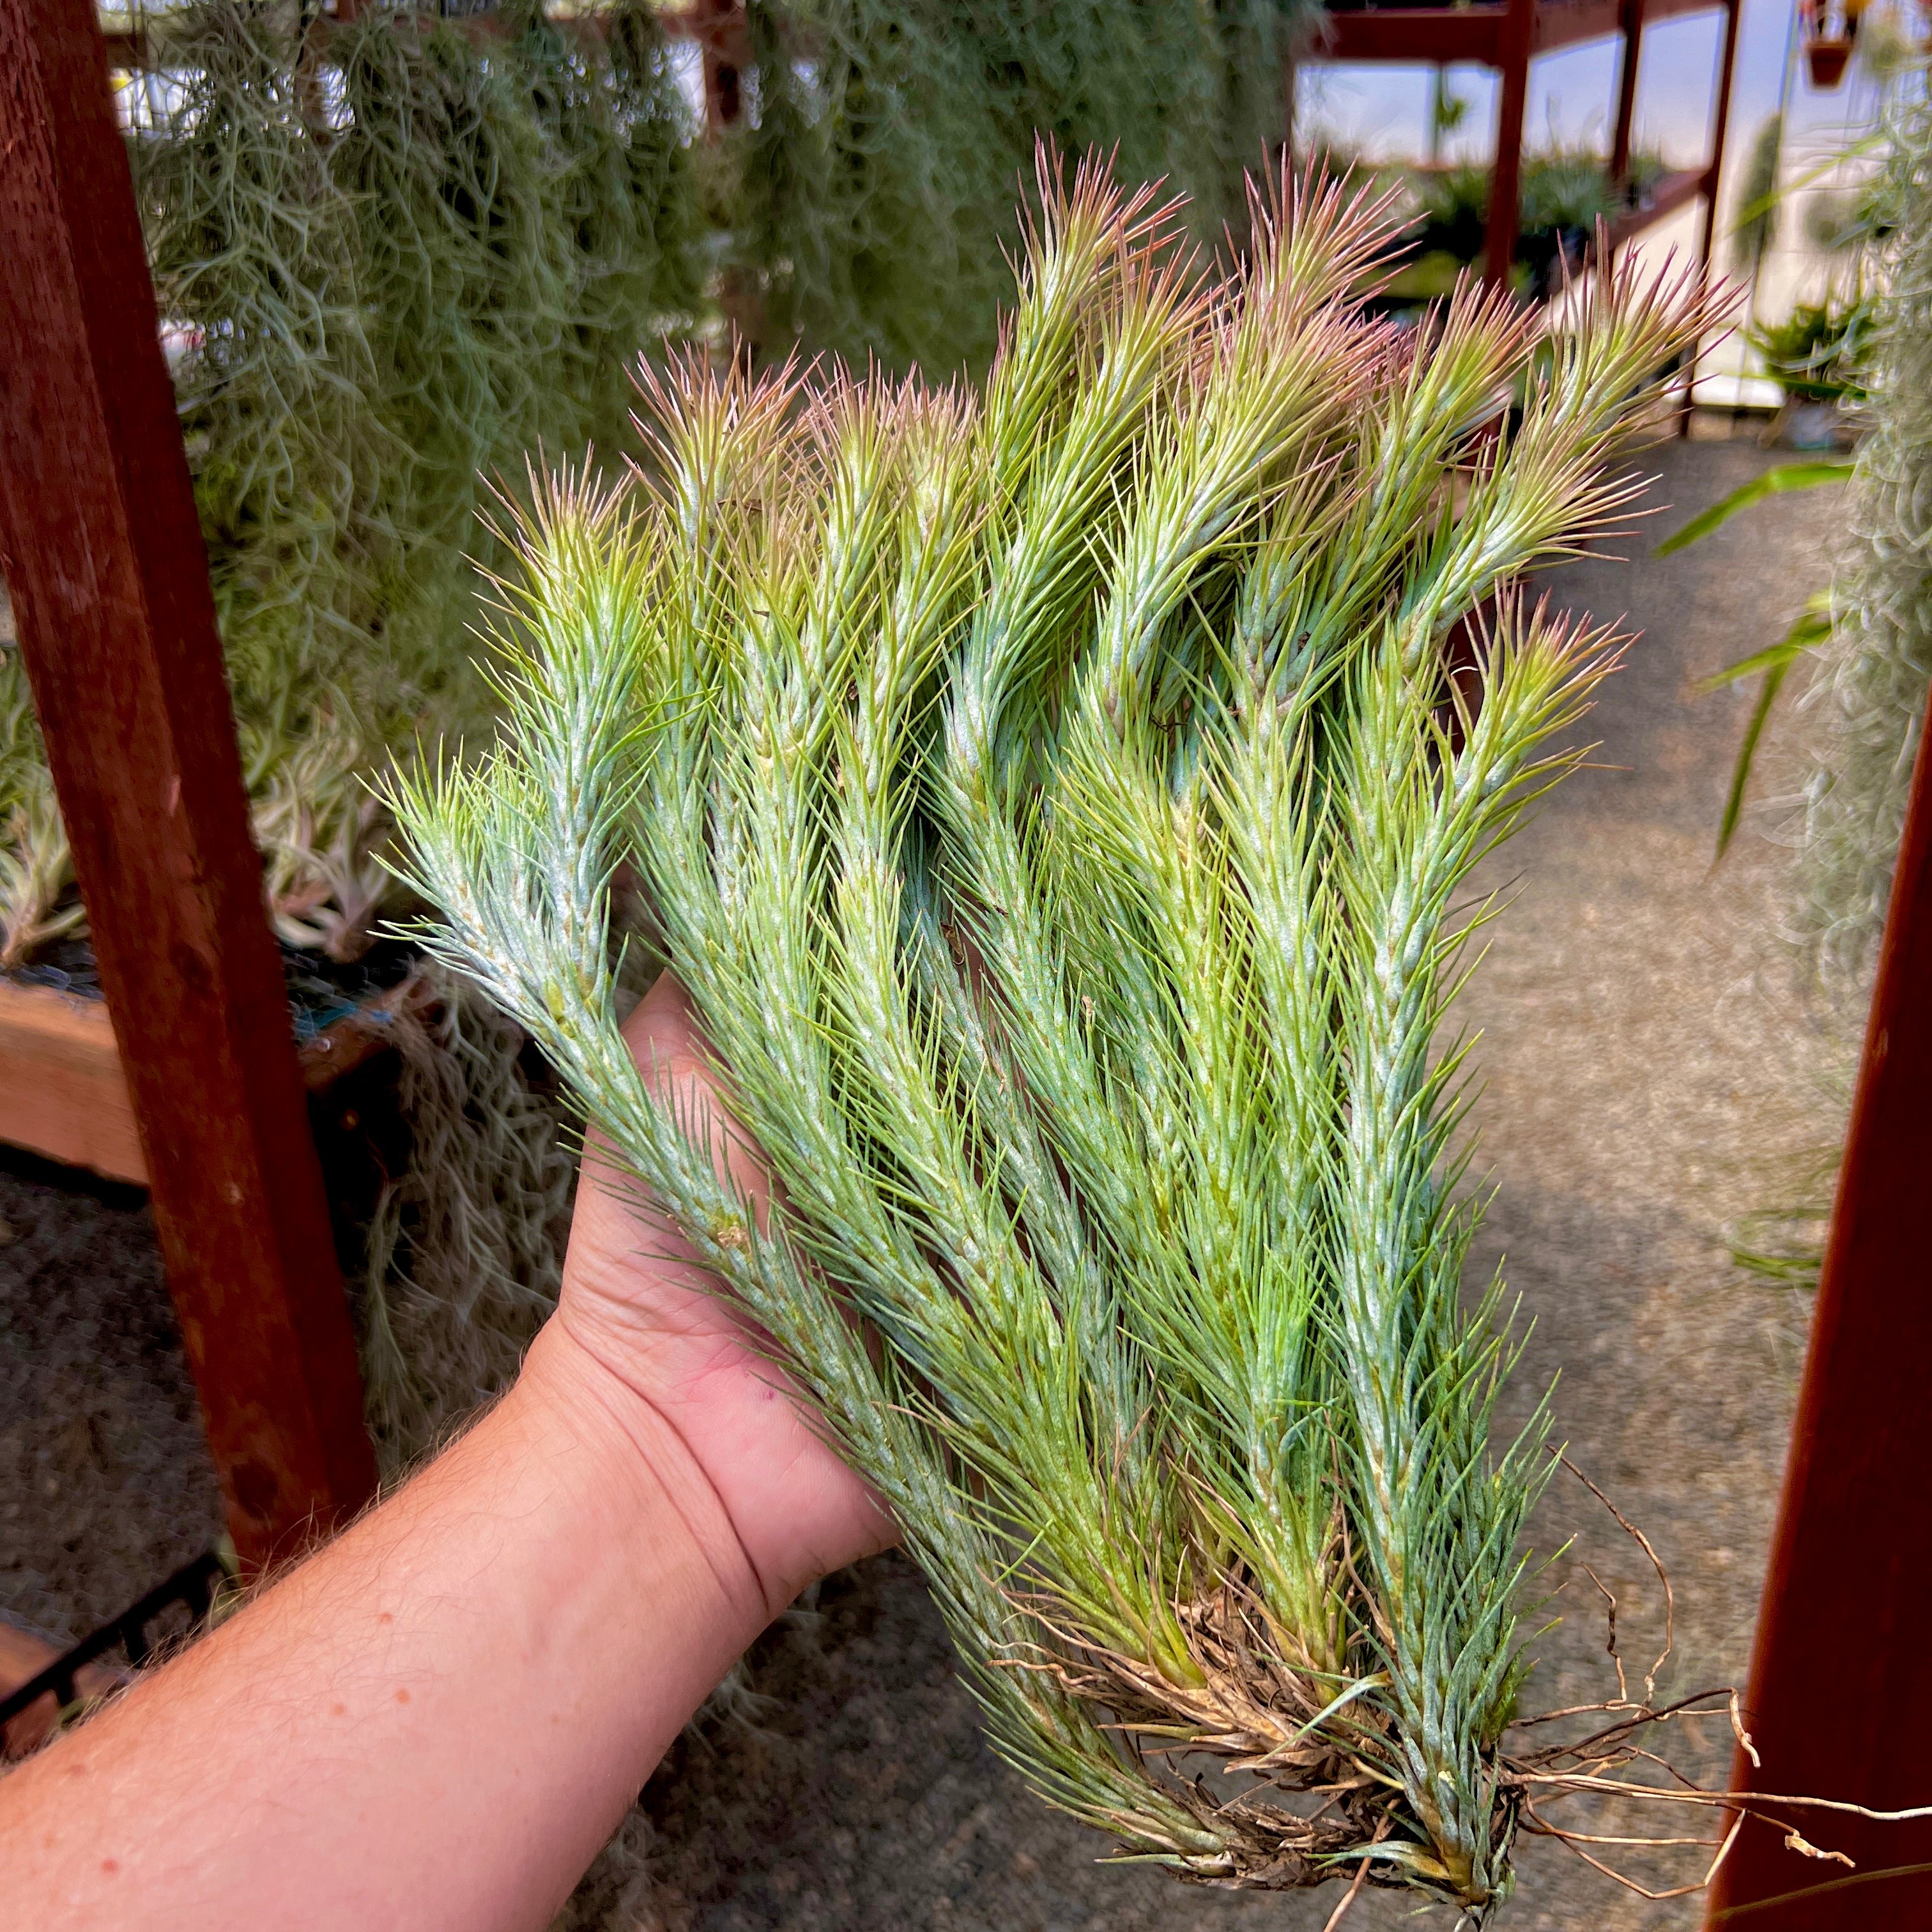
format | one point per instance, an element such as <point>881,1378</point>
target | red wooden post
<point>1720,132</point>
<point>720,28</point>
<point>1506,175</point>
<point>102,554</point>
<point>1840,1701</point>
<point>1633,58</point>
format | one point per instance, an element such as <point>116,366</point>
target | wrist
<point>655,1500</point>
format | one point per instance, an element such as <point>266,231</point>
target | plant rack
<point>1506,35</point>
<point>64,1092</point>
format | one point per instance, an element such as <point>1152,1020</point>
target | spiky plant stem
<point>1055,809</point>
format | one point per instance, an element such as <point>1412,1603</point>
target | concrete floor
<point>1650,1077</point>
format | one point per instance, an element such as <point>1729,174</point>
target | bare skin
<point>437,1719</point>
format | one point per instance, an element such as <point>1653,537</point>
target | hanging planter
<point>1830,31</point>
<point>1827,60</point>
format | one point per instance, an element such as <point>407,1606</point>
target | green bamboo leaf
<point>1747,752</point>
<point>1773,483</point>
<point>1813,628</point>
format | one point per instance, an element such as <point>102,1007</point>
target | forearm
<point>434,1722</point>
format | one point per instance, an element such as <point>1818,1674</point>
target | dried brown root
<point>1323,1762</point>
<point>1611,1765</point>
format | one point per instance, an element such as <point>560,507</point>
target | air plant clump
<point>1052,801</point>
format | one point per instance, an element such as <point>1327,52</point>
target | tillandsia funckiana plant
<point>1054,803</point>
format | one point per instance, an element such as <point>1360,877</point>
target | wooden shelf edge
<point>1673,192</point>
<point>62,1092</point>
<point>64,1096</point>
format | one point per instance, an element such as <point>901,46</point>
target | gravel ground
<point>1648,1079</point>
<point>105,1484</point>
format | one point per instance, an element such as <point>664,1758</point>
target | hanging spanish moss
<point>1867,705</point>
<point>465,1253</point>
<point>397,260</point>
<point>404,252</point>
<point>874,198</point>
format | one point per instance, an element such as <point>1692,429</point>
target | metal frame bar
<point>192,1586</point>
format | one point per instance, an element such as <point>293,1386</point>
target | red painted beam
<point>718,26</point>
<point>1441,34</point>
<point>1673,192</point>
<point>1727,64</point>
<point>102,554</point>
<point>1634,12</point>
<point>1655,10</point>
<point>1506,172</point>
<point>1569,23</point>
<point>1840,1697</point>
<point>1478,33</point>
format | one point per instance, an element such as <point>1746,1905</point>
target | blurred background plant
<point>1865,707</point>
<point>1754,233</point>
<point>394,257</point>
<point>1864,642</point>
<point>871,198</point>
<point>1816,353</point>
<point>1565,192</point>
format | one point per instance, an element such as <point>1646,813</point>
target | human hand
<point>641,1326</point>
<point>457,1698</point>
